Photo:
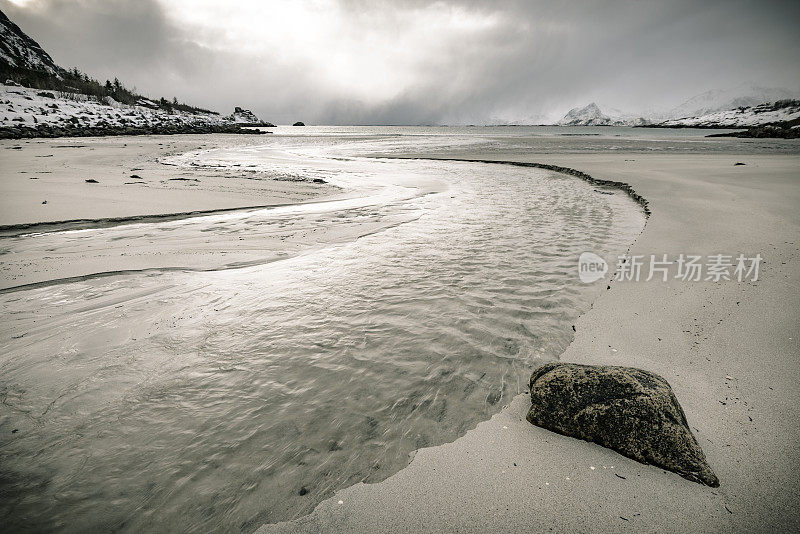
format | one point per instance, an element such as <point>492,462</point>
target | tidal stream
<point>227,395</point>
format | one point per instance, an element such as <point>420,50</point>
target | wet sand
<point>134,187</point>
<point>729,350</point>
<point>131,182</point>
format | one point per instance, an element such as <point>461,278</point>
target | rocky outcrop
<point>298,123</point>
<point>631,411</point>
<point>245,117</point>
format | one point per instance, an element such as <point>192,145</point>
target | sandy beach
<point>729,350</point>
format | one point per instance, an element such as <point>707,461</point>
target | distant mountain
<point>696,110</point>
<point>744,95</point>
<point>745,116</point>
<point>592,116</point>
<point>19,50</point>
<point>586,116</point>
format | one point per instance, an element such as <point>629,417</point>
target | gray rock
<point>631,411</point>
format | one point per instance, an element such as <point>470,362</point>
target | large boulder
<point>631,411</point>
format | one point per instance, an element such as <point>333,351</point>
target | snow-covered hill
<point>781,111</point>
<point>26,112</point>
<point>744,95</point>
<point>19,50</point>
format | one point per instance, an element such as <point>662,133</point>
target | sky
<point>421,62</point>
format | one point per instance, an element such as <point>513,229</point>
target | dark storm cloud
<point>130,39</point>
<point>445,62</point>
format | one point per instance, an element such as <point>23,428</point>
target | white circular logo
<point>591,267</point>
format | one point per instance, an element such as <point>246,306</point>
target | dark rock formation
<point>631,411</point>
<point>298,123</point>
<point>43,130</point>
<point>245,117</point>
<point>776,130</point>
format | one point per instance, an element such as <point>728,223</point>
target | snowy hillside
<point>26,112</point>
<point>71,103</point>
<point>19,50</point>
<point>745,95</point>
<point>781,111</point>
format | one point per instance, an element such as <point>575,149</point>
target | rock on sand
<point>631,411</point>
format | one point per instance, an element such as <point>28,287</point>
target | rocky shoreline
<point>785,130</point>
<point>47,131</point>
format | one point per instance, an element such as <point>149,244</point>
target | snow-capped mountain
<point>19,50</point>
<point>744,95</point>
<point>745,116</point>
<point>586,116</point>
<point>592,116</point>
<point>709,108</point>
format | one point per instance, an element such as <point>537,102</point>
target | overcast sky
<point>418,62</point>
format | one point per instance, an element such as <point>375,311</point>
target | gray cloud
<point>476,61</point>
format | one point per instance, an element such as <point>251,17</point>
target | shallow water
<point>224,399</point>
